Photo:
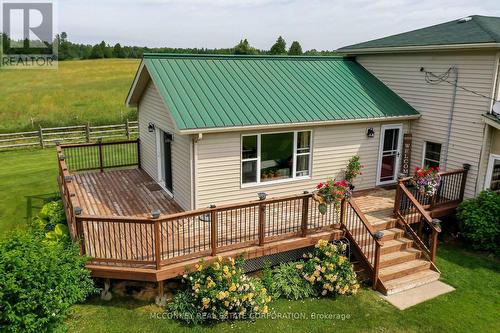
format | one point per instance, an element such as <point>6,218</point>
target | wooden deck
<point>130,192</point>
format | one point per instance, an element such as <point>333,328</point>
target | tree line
<point>68,50</point>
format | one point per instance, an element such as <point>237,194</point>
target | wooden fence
<point>45,137</point>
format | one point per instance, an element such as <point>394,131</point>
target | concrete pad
<point>408,298</point>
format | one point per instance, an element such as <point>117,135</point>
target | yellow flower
<point>232,287</point>
<point>206,302</point>
<point>219,258</point>
<point>341,260</point>
<point>221,295</point>
<point>265,309</point>
<point>299,266</point>
<point>199,267</point>
<point>226,304</point>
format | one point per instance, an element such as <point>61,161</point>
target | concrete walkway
<point>408,298</point>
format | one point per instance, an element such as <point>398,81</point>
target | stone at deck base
<point>408,298</point>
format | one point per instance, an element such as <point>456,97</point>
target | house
<point>220,129</point>
<point>449,73</point>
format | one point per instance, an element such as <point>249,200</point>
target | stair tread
<point>411,279</point>
<point>393,255</point>
<point>411,264</point>
<point>396,242</point>
<point>392,231</point>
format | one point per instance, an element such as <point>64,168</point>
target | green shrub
<point>183,307</point>
<point>51,214</point>
<point>480,221</point>
<point>288,282</point>
<point>328,270</point>
<point>220,291</point>
<point>39,282</point>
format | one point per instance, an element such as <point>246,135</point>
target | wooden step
<point>391,222</point>
<point>390,246</point>
<point>409,281</point>
<point>403,269</point>
<point>398,257</point>
<point>392,233</point>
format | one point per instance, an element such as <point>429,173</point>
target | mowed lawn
<point>76,93</point>
<point>29,176</point>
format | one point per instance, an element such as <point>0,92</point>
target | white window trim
<point>294,168</point>
<point>489,171</point>
<point>424,150</point>
<point>159,158</point>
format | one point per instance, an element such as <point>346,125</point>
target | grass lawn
<point>77,92</point>
<point>27,177</point>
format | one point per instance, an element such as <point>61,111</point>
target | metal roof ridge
<point>153,55</point>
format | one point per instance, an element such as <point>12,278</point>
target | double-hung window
<point>432,154</point>
<point>493,173</point>
<point>275,157</point>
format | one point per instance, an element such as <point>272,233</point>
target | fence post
<point>376,263</point>
<point>127,129</point>
<point>87,132</point>
<point>305,215</point>
<point>40,134</point>
<point>213,232</point>
<point>262,223</point>
<point>99,145</point>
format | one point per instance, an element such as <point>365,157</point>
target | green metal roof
<point>225,91</point>
<point>479,29</point>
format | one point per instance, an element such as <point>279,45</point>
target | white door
<point>389,154</point>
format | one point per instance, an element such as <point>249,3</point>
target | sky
<point>318,24</point>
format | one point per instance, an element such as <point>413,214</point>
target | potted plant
<point>352,170</point>
<point>331,192</point>
<point>427,180</point>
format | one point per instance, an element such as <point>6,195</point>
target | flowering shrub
<point>328,270</point>
<point>353,168</point>
<point>427,180</point>
<point>221,291</point>
<point>330,192</point>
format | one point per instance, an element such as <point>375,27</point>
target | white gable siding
<point>475,71</point>
<point>218,163</point>
<point>152,109</point>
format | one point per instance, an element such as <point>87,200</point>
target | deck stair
<point>402,264</point>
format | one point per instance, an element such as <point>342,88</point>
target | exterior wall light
<point>151,127</point>
<point>370,132</point>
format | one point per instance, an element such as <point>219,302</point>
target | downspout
<point>450,116</point>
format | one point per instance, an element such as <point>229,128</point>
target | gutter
<point>405,49</point>
<point>294,125</point>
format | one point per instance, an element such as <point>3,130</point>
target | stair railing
<point>360,233</point>
<point>411,214</point>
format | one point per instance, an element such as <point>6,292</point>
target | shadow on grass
<point>35,202</point>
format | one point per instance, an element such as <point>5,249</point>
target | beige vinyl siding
<point>401,72</point>
<point>218,163</point>
<point>152,109</point>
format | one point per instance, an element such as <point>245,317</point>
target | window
<point>275,156</point>
<point>432,154</point>
<point>493,174</point>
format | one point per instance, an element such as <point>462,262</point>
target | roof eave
<point>492,121</point>
<point>137,86</point>
<point>420,48</point>
<point>295,125</point>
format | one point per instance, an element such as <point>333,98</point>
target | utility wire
<point>432,78</point>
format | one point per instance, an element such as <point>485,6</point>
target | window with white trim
<point>432,154</point>
<point>275,156</point>
<point>493,174</point>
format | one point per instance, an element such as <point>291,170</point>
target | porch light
<point>378,235</point>
<point>370,132</point>
<point>262,195</point>
<point>151,127</point>
<point>155,213</point>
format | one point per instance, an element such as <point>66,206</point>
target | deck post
<point>79,235</point>
<point>434,239</point>
<point>157,244</point>
<point>262,223</point>
<point>466,168</point>
<point>138,153</point>
<point>397,199</point>
<point>305,215</point>
<point>343,211</point>
<point>376,264</point>
<point>213,232</point>
<point>99,145</point>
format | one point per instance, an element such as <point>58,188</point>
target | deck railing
<point>155,242</point>
<point>362,236</point>
<point>413,218</point>
<point>101,155</point>
<point>450,192</point>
